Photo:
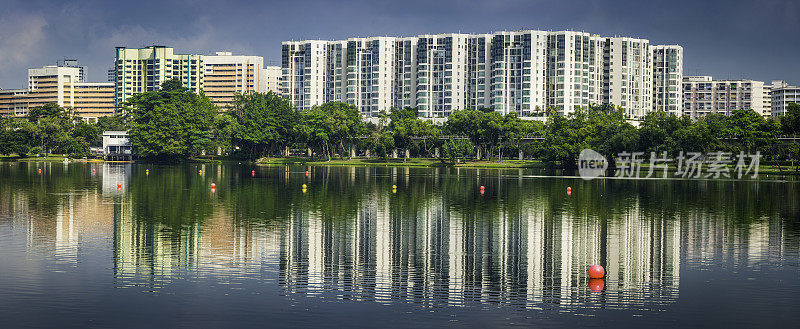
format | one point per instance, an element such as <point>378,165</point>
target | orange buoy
<point>119,186</point>
<point>306,173</point>
<point>252,173</point>
<point>482,188</point>
<point>213,190</point>
<point>40,171</point>
<point>596,285</point>
<point>213,185</point>
<point>93,171</point>
<point>597,272</point>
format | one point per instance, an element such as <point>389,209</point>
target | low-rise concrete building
<point>703,95</point>
<point>117,146</point>
<point>781,94</point>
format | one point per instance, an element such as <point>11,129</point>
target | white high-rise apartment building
<point>630,75</point>
<point>272,79</point>
<point>781,94</point>
<point>667,78</point>
<point>226,74</point>
<point>525,72</point>
<point>702,95</point>
<point>304,68</point>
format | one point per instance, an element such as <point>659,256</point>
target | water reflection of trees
<point>437,240</point>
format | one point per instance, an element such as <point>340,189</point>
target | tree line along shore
<point>174,124</point>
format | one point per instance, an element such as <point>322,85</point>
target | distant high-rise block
<point>668,79</point>
<point>272,79</point>
<point>60,85</point>
<point>781,94</point>
<point>702,96</point>
<point>525,72</point>
<point>145,69</point>
<point>227,74</point>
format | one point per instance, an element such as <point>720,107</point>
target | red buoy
<point>597,272</point>
<point>93,171</point>
<point>40,171</point>
<point>596,284</point>
<point>253,173</point>
<point>119,186</point>
<point>306,173</point>
<point>213,185</point>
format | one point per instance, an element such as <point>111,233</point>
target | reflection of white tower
<point>316,249</point>
<point>113,174</point>
<point>535,253</point>
<point>566,228</point>
<point>455,257</point>
<point>383,250</point>
<point>66,234</point>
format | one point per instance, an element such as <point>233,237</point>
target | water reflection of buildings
<point>113,174</point>
<point>525,257</point>
<point>389,249</point>
<point>61,224</point>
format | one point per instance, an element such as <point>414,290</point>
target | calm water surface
<point>121,245</point>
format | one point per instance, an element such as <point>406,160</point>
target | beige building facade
<point>227,74</point>
<point>60,85</point>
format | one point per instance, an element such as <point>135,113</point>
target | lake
<point>138,245</point>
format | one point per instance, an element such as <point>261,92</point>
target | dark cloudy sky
<point>727,39</point>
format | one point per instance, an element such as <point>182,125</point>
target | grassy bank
<point>47,158</point>
<point>412,162</point>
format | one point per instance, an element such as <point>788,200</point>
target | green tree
<point>790,122</point>
<point>483,128</point>
<point>264,123</point>
<point>657,131</point>
<point>112,123</point>
<point>331,127</point>
<point>455,149</point>
<point>170,124</point>
<point>49,110</point>
<point>225,127</point>
<point>404,126</point>
<point>82,136</point>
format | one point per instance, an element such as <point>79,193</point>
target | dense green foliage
<point>47,129</point>
<point>170,124</point>
<point>174,123</point>
<point>330,128</point>
<point>259,123</point>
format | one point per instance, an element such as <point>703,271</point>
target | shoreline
<point>769,169</point>
<point>410,162</point>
